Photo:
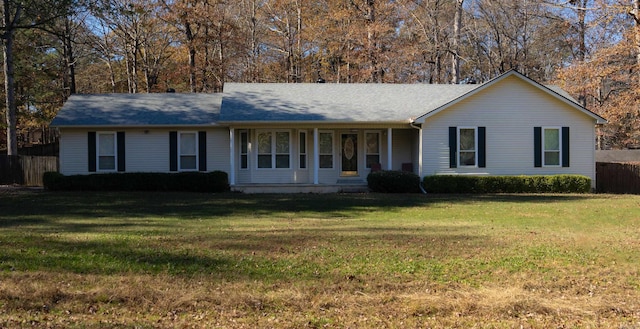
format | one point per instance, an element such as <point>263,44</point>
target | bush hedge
<point>216,181</point>
<point>507,184</point>
<point>389,181</point>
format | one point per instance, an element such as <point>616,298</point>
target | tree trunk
<point>582,46</point>
<point>69,59</point>
<point>376,74</point>
<point>192,57</point>
<point>636,16</point>
<point>9,83</point>
<point>455,58</point>
<point>127,63</point>
<point>134,65</point>
<point>298,58</point>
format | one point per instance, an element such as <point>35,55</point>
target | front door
<point>349,154</point>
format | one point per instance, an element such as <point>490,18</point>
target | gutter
<point>413,125</point>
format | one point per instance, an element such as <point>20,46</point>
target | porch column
<point>389,149</point>
<point>316,156</point>
<point>232,157</point>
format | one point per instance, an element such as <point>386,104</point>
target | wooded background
<point>56,48</point>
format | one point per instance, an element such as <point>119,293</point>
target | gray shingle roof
<point>271,102</point>
<point>170,109</point>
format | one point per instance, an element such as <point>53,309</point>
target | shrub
<point>393,182</point>
<point>507,184</point>
<point>216,181</point>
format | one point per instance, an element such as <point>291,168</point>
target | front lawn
<point>164,260</point>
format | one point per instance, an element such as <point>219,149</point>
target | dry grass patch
<point>171,260</point>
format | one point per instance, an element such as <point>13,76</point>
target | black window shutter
<point>91,141</point>
<point>537,146</point>
<point>120,150</point>
<point>202,150</point>
<point>453,147</point>
<point>565,146</point>
<point>482,147</point>
<point>173,151</point>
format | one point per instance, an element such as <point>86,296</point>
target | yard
<point>140,260</point>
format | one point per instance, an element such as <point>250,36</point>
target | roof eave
<point>308,122</point>
<point>117,126</point>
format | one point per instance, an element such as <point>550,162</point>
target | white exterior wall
<point>403,146</point>
<point>510,110</point>
<point>146,150</point>
<point>218,149</point>
<point>403,142</point>
<point>294,174</point>
<point>73,156</point>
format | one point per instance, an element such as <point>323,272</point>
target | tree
<point>23,15</point>
<point>455,55</point>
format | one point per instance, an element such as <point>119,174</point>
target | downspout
<point>413,125</point>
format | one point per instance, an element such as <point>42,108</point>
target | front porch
<point>340,187</point>
<point>334,157</point>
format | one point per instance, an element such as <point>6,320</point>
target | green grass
<point>338,260</point>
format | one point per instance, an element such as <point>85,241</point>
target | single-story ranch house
<point>325,137</point>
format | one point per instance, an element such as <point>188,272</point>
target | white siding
<point>73,152</point>
<point>403,141</point>
<point>510,110</point>
<point>218,149</point>
<point>146,150</point>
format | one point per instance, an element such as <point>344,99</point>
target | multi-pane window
<point>244,149</point>
<point>264,149</point>
<point>188,146</point>
<point>274,149</point>
<point>282,149</point>
<point>326,150</point>
<point>302,148</point>
<point>551,144</point>
<point>467,147</point>
<point>106,151</point>
<point>372,148</point>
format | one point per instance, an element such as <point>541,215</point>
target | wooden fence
<point>25,170</point>
<point>618,177</point>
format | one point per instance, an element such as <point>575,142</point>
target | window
<point>106,151</point>
<point>467,147</point>
<point>326,150</point>
<point>188,146</point>
<point>551,142</point>
<point>274,149</point>
<point>372,153</point>
<point>244,149</point>
<point>264,149</point>
<point>282,149</point>
<point>302,148</point>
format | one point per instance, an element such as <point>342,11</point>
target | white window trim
<point>366,154</point>
<point>240,154</point>
<point>306,149</point>
<point>115,151</point>
<point>544,150</point>
<point>180,133</point>
<point>333,149</point>
<point>273,148</point>
<point>475,150</point>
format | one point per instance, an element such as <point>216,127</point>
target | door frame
<point>356,155</point>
